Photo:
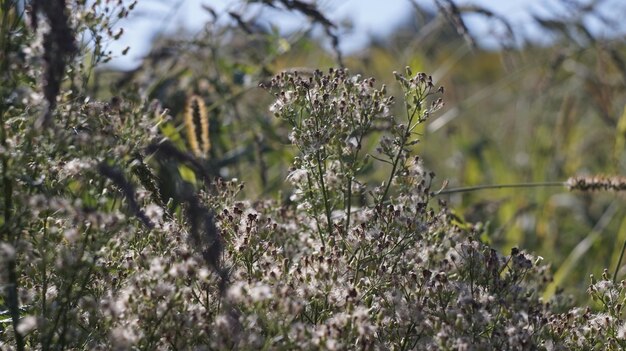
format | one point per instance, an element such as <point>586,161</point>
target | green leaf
<point>187,174</point>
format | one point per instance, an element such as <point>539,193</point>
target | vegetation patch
<point>242,205</point>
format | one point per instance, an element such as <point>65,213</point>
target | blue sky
<point>369,17</point>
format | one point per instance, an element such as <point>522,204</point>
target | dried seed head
<point>597,183</point>
<point>197,126</point>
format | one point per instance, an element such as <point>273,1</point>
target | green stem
<point>44,279</point>
<point>405,136</point>
<point>352,173</point>
<point>317,222</point>
<point>324,194</point>
<point>348,205</point>
<point>498,186</point>
<point>68,297</point>
<point>393,172</point>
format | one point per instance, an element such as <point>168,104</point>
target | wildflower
<point>27,324</point>
<point>260,292</point>
<point>75,167</point>
<point>156,266</point>
<point>123,337</point>
<point>71,235</point>
<point>154,213</point>
<point>281,101</point>
<point>297,176</point>
<point>7,251</point>
<point>621,331</point>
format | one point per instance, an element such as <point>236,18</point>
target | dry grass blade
<point>454,16</point>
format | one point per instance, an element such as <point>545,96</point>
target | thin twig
<point>497,186</point>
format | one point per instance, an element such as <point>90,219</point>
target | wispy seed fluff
<point>597,182</point>
<point>197,126</point>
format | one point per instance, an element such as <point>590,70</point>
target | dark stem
<point>619,262</point>
<point>7,186</point>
